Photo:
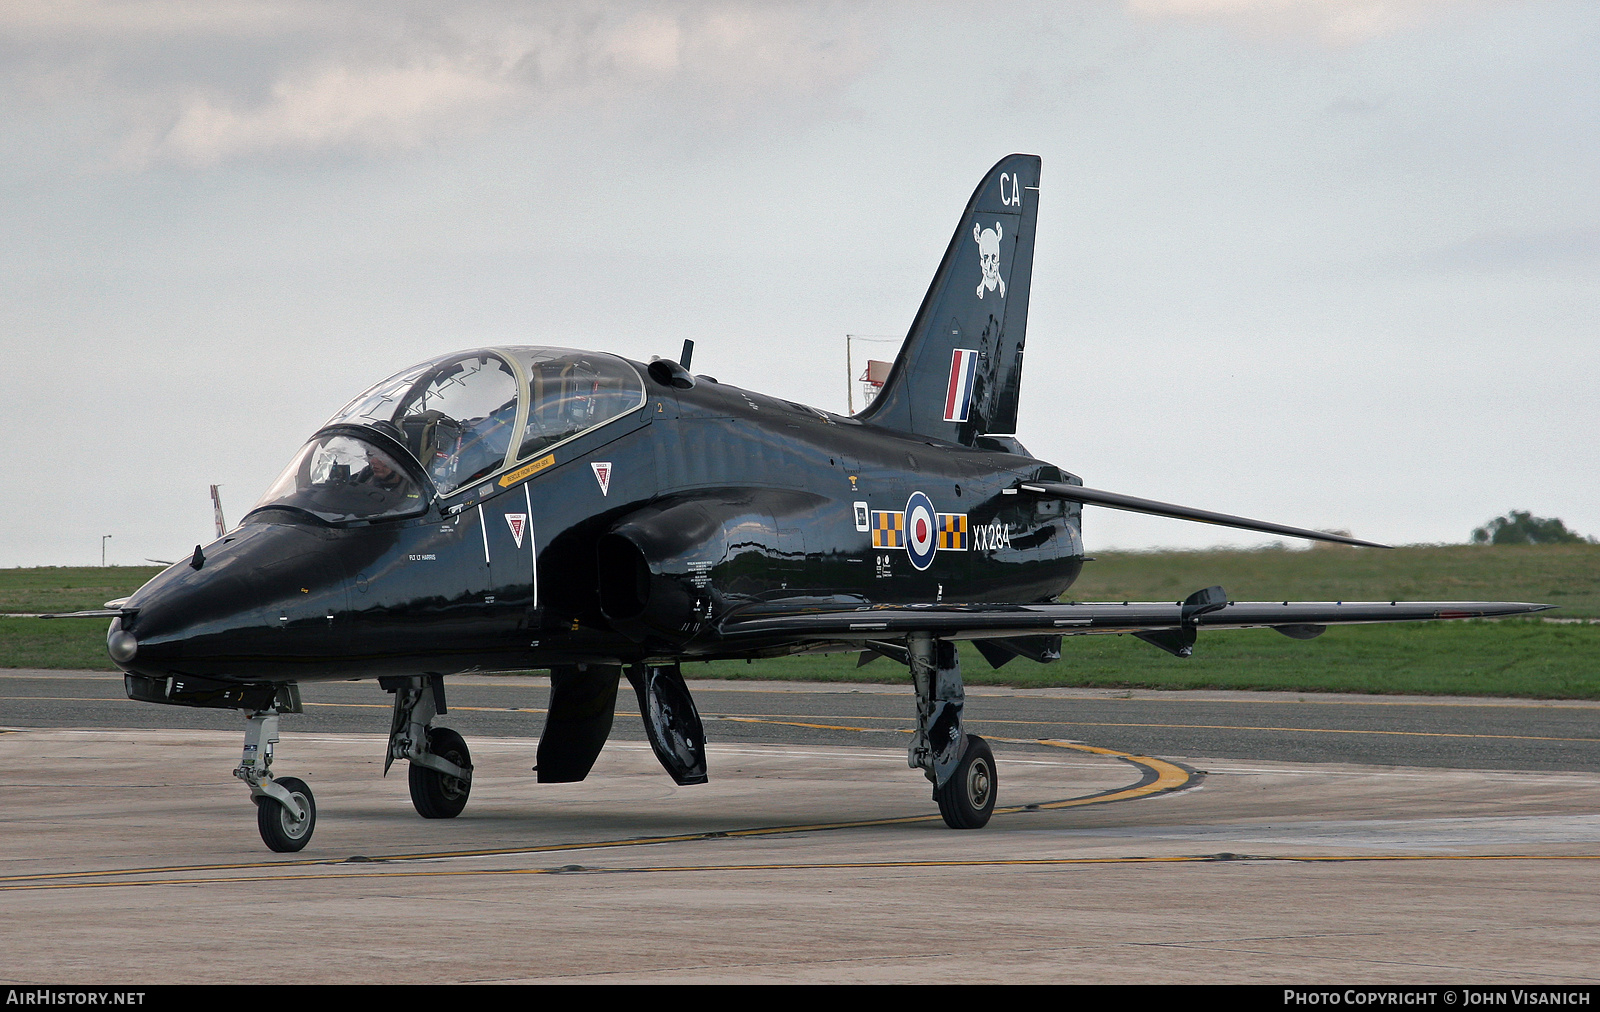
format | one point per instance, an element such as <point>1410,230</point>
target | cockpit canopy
<point>339,477</point>
<point>463,417</point>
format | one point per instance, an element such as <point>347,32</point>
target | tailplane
<point>960,369</point>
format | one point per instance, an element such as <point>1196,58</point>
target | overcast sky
<point>1331,263</point>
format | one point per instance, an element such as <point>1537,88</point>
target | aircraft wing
<point>1204,610</point>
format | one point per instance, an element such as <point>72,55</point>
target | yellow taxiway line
<point>1058,862</point>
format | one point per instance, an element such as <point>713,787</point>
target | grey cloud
<point>1355,106</point>
<point>346,76</point>
<point>1526,250</point>
<point>1336,22</point>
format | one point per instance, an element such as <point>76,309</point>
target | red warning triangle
<point>518,522</point>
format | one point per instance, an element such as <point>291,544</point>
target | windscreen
<point>339,478</point>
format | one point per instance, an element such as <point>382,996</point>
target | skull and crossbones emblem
<point>989,258</point>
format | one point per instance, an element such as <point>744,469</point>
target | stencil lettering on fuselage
<point>991,537</point>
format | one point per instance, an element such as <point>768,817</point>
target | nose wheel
<point>281,829</point>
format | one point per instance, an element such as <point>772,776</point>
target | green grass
<point>1508,658</point>
<point>1564,575</point>
<point>71,643</point>
<point>69,588</point>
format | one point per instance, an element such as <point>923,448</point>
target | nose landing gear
<point>286,811</point>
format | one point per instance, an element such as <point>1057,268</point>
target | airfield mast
<point>216,506</point>
<point>872,378</point>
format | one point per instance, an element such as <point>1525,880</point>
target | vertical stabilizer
<point>960,369</point>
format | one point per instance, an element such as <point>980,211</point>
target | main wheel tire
<point>967,799</point>
<point>435,795</point>
<point>281,831</point>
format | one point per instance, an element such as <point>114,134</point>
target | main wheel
<point>967,799</point>
<point>281,831</point>
<point>435,795</point>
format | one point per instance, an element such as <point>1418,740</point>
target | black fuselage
<point>638,536</point>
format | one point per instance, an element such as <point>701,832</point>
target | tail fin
<point>959,371</point>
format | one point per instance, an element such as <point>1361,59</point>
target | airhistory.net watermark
<point>49,996</point>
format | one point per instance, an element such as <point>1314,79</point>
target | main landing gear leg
<point>286,812</point>
<point>959,765</point>
<point>441,767</point>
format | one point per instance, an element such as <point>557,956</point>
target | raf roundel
<point>922,530</point>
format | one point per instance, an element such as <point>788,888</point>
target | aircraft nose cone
<point>121,644</point>
<point>266,598</point>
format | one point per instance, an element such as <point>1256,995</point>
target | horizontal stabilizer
<point>1005,621</point>
<point>1133,504</point>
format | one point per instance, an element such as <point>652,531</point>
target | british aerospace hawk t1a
<point>532,507</point>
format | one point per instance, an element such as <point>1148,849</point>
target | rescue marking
<point>602,474</point>
<point>518,523</point>
<point>527,469</point>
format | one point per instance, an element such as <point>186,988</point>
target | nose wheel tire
<point>280,830</point>
<point>436,795</point>
<point>967,799</point>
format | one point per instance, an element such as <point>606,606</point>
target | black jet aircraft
<point>516,508</point>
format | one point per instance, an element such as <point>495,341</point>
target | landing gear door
<point>672,722</point>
